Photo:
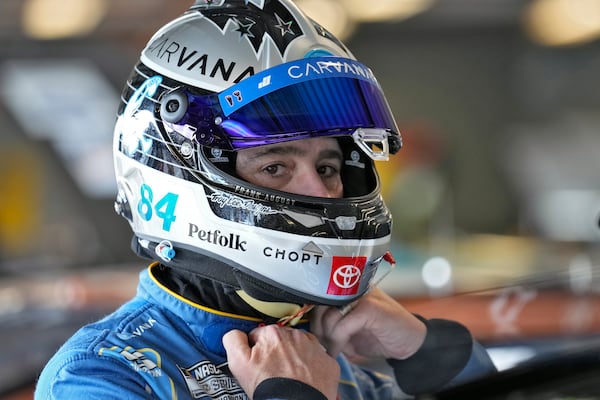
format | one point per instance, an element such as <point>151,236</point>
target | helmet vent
<point>346,223</point>
<point>173,106</point>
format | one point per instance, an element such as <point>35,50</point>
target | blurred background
<point>495,196</point>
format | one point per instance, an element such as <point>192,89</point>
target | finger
<point>326,321</point>
<point>316,323</point>
<point>236,345</point>
<point>271,332</point>
<point>275,333</point>
<point>343,331</point>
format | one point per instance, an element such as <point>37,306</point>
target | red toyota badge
<point>346,273</point>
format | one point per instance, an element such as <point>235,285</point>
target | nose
<point>310,183</point>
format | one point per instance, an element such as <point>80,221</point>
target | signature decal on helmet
<point>228,200</point>
<point>346,273</point>
<point>286,26</point>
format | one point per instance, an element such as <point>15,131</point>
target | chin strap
<point>293,319</point>
<point>288,313</point>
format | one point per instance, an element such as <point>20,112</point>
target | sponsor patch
<point>206,379</point>
<point>346,273</point>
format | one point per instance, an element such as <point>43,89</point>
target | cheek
<point>337,189</point>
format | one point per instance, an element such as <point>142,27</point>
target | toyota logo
<point>346,276</point>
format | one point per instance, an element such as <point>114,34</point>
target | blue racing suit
<point>160,345</point>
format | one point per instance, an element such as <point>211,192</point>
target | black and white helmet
<point>234,74</point>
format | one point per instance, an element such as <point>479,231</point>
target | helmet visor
<point>311,97</point>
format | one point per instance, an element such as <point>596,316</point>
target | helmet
<point>229,75</point>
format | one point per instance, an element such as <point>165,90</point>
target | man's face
<point>309,167</point>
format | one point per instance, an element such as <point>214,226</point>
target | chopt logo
<point>292,256</point>
<point>346,273</point>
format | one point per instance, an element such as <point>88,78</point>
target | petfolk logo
<point>346,273</point>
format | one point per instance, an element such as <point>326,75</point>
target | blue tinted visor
<point>311,97</point>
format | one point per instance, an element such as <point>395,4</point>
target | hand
<point>377,326</point>
<point>274,351</point>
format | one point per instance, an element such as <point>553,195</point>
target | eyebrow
<point>293,150</point>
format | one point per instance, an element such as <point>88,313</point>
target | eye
<point>328,170</point>
<point>273,169</point>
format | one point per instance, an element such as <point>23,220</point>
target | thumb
<point>236,344</point>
